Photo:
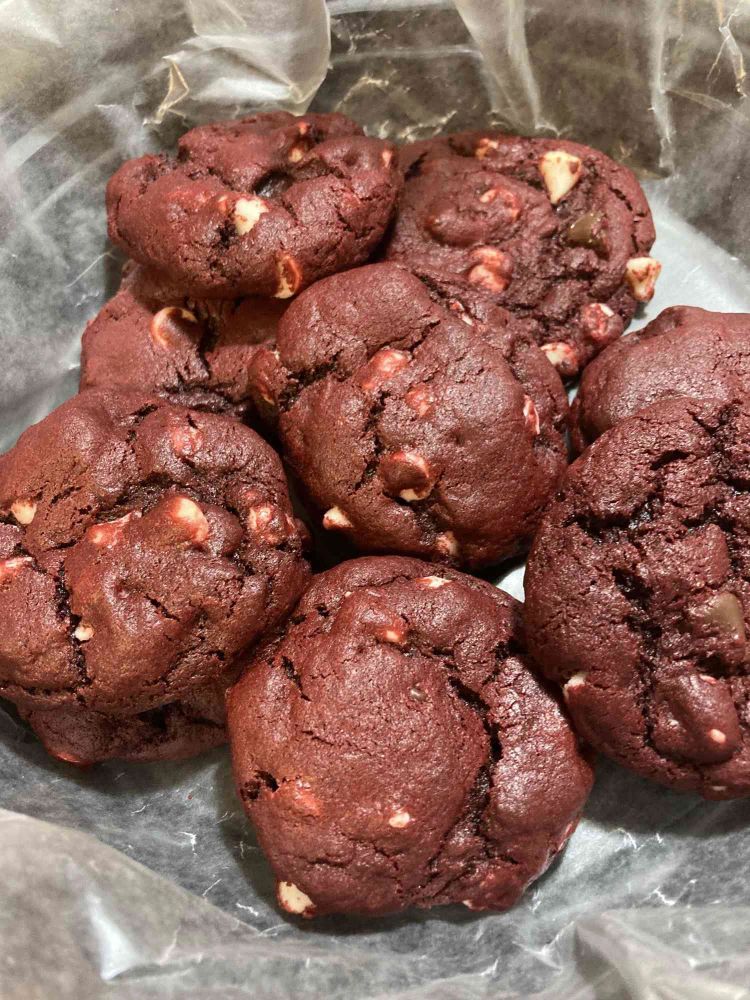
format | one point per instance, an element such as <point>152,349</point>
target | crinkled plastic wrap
<point>145,881</point>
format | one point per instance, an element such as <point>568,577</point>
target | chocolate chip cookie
<point>195,353</point>
<point>264,205</point>
<point>143,549</point>
<point>683,352</point>
<point>552,230</point>
<point>414,427</point>
<point>637,593</point>
<point>396,748</point>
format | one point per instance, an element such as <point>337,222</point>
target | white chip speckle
<point>247,212</point>
<point>399,819</point>
<point>293,899</point>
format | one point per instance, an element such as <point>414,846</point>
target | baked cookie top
<point>414,427</point>
<point>637,594</point>
<point>395,747</point>
<point>685,351</point>
<point>263,205</point>
<point>143,548</point>
<point>552,230</point>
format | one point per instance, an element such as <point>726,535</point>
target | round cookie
<point>189,352</point>
<point>414,427</point>
<point>395,747</point>
<point>144,548</point>
<point>263,205</point>
<point>637,594</point>
<point>683,352</point>
<point>554,231</point>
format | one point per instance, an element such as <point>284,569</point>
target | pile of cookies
<point>393,329</point>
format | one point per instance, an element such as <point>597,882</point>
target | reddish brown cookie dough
<point>143,549</point>
<point>190,352</point>
<point>554,231</point>
<point>683,352</point>
<point>395,748</point>
<point>637,591</point>
<point>264,205</point>
<point>414,427</point>
<point>172,732</point>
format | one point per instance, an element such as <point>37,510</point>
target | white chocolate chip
<point>296,153</point>
<point>446,544</point>
<point>456,307</point>
<point>485,146</point>
<point>408,466</point>
<point>432,582</point>
<point>290,277</point>
<point>595,318</point>
<point>382,366</point>
<point>577,680</point>
<point>530,415</point>
<point>186,440</point>
<point>708,679</point>
<point>10,567</point>
<point>718,788</point>
<point>717,736</point>
<point>511,203</point>
<point>247,212</point>
<point>419,399</point>
<point>396,635</point>
<point>399,819</point>
<point>387,157</point>
<point>493,271</point>
<point>641,274</point>
<point>269,523</point>
<point>84,632</point>
<point>293,899</point>
<point>189,514</point>
<point>562,356</point>
<point>335,518</point>
<point>560,172</point>
<point>160,322</point>
<point>23,511</point>
<point>109,532</point>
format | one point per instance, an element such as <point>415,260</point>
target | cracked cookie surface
<point>414,427</point>
<point>395,748</point>
<point>190,352</point>
<point>143,548</point>
<point>637,591</point>
<point>685,351</point>
<point>554,231</point>
<point>263,205</point>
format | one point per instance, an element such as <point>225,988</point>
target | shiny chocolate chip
<point>586,231</point>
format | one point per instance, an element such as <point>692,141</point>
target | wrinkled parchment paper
<point>144,881</point>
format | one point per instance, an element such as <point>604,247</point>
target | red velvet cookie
<point>637,594</point>
<point>264,205</point>
<point>554,231</point>
<point>143,549</point>
<point>414,427</point>
<point>683,352</point>
<point>195,353</point>
<point>395,747</point>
